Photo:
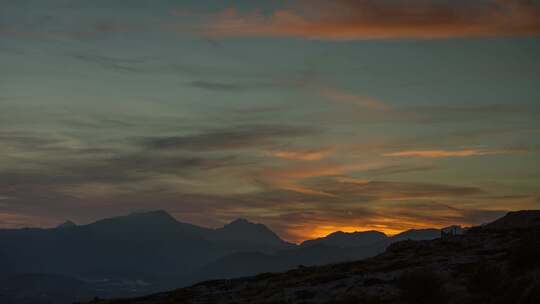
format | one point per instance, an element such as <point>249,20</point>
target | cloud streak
<point>389,190</point>
<point>384,19</point>
<point>442,153</point>
<point>304,155</point>
<point>236,137</point>
<point>365,102</point>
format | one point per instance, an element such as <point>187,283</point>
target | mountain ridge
<point>174,253</point>
<point>483,265</point>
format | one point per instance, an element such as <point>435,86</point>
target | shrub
<point>525,255</point>
<point>305,294</point>
<point>485,280</point>
<point>355,299</point>
<point>532,295</point>
<point>421,286</point>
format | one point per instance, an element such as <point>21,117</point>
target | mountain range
<point>147,252</point>
<point>495,263</point>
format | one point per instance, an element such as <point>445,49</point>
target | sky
<point>307,116</point>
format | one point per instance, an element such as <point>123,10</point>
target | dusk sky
<point>307,116</point>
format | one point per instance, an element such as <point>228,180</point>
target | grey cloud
<point>429,114</point>
<point>441,214</point>
<point>41,161</point>
<point>385,190</point>
<point>347,196</point>
<point>115,170</point>
<point>25,140</point>
<point>239,137</point>
<point>399,169</point>
<point>439,114</point>
<point>219,86</point>
<point>75,20</point>
<point>115,63</point>
<point>41,144</point>
<point>242,86</point>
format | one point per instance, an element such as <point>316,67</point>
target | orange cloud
<point>290,177</point>
<point>441,153</point>
<point>306,155</point>
<point>383,19</point>
<point>346,179</point>
<point>366,102</point>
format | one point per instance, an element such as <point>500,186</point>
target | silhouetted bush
<point>421,286</point>
<point>374,281</point>
<point>520,290</point>
<point>532,294</point>
<point>355,299</point>
<point>525,256</point>
<point>305,294</point>
<point>485,280</point>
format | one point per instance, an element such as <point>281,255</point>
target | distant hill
<point>336,247</point>
<point>242,234</point>
<point>346,240</point>
<point>417,235</point>
<point>66,224</point>
<point>483,265</point>
<point>517,219</point>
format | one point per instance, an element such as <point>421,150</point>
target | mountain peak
<point>240,222</point>
<point>141,218</point>
<point>348,239</point>
<point>66,224</point>
<point>417,234</point>
<point>355,233</point>
<point>242,230</point>
<point>153,214</point>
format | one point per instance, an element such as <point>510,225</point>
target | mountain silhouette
<point>145,252</point>
<point>345,240</point>
<point>335,247</point>
<point>154,247</point>
<point>143,246</point>
<point>417,235</point>
<point>243,235</point>
<point>66,224</point>
<point>494,263</point>
<point>516,220</point>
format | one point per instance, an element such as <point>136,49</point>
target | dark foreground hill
<point>496,263</point>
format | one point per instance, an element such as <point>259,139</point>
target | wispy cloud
<point>235,137</point>
<point>237,86</point>
<point>218,86</point>
<point>342,96</point>
<point>305,155</point>
<point>382,19</point>
<point>113,63</point>
<point>291,177</point>
<point>443,153</point>
<point>386,190</point>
